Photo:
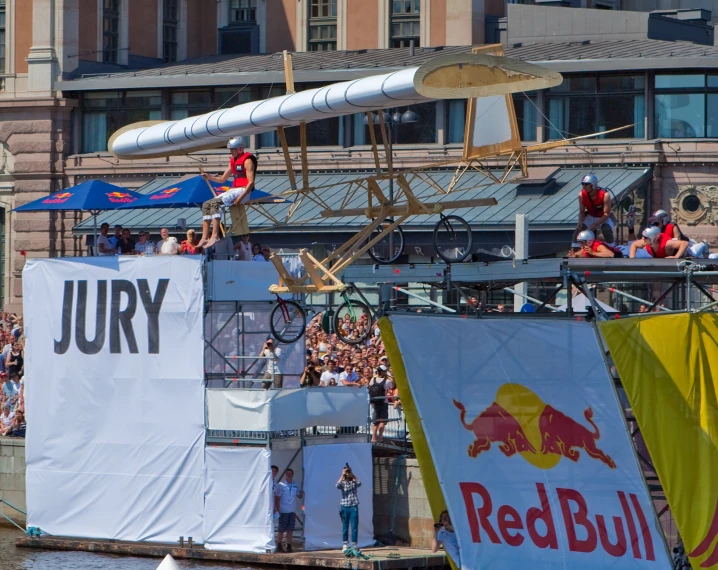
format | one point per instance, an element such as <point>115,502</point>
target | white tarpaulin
<point>274,410</point>
<point>115,397</point>
<point>323,466</point>
<point>229,280</point>
<point>238,499</point>
<point>528,441</point>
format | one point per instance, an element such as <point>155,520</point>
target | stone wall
<point>401,508</point>
<point>12,478</point>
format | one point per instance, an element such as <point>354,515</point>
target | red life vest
<point>238,171</point>
<point>668,230</point>
<point>594,248</point>
<point>661,251</point>
<point>593,208</point>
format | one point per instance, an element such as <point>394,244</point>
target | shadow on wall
<point>401,509</point>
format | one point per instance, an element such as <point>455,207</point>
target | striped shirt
<point>349,492</point>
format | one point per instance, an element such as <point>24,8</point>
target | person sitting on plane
<point>594,210</point>
<point>659,245</point>
<point>662,220</point>
<point>243,166</point>
<point>592,247</point>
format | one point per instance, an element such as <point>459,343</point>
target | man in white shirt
<point>243,250</point>
<point>349,377</point>
<point>329,377</point>
<point>272,373</point>
<point>444,535</point>
<point>103,242</point>
<point>164,234</point>
<point>285,501</point>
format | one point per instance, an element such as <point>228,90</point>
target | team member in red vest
<point>243,167</point>
<point>592,247</point>
<point>662,220</point>
<point>594,210</point>
<point>659,245</point>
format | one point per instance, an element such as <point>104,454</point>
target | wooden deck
<point>384,558</point>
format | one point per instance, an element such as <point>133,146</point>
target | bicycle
<point>288,319</point>
<point>452,240</point>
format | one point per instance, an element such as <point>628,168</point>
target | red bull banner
<point>520,436</point>
<point>668,366</point>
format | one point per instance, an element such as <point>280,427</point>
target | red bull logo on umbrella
<point>166,193</point>
<point>521,423</point>
<point>120,197</point>
<point>58,198</point>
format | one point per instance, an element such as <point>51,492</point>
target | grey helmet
<point>236,142</point>
<point>652,233</point>
<point>587,236</point>
<point>590,179</point>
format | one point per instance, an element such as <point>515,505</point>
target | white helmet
<point>652,233</point>
<point>590,179</point>
<point>236,142</point>
<point>661,216</point>
<point>587,236</point>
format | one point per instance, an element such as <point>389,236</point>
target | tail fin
<point>588,414</point>
<point>463,413</point>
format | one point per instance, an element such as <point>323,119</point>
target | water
<point>13,558</point>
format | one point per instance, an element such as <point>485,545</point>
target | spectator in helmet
<point>242,165</point>
<point>659,245</point>
<point>662,220</point>
<point>592,247</point>
<point>594,210</point>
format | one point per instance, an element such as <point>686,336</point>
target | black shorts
<point>286,521</point>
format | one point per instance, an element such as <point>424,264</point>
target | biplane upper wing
<point>446,77</point>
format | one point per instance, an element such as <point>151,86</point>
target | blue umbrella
<point>93,196</point>
<point>193,192</point>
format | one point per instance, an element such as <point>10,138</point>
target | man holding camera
<point>444,535</point>
<point>271,373</point>
<point>348,484</point>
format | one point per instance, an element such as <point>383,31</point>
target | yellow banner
<point>667,364</point>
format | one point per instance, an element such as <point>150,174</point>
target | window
<point>110,30</point>
<point>323,25</point>
<point>188,103</point>
<point>106,112</point>
<point>526,110</point>
<point>588,104</point>
<point>456,120</point>
<point>686,106</point>
<point>242,11</point>
<point>2,36</point>
<point>423,131</point>
<point>170,20</point>
<point>405,23</point>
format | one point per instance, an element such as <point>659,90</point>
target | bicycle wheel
<point>390,246</point>
<point>287,322</point>
<point>453,239</point>
<point>352,321</point>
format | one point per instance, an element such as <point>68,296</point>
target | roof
<point>556,209</point>
<point>333,66</point>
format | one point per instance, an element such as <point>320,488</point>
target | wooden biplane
<point>485,78</point>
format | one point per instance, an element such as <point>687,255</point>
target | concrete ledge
<point>408,558</point>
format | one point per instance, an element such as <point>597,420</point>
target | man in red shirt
<point>662,220</point>
<point>659,245</point>
<point>592,247</point>
<point>594,210</point>
<point>243,166</point>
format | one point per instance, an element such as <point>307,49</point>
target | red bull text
<point>585,530</point>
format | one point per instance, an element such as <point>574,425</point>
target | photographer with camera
<point>444,535</point>
<point>271,373</point>
<point>348,484</point>
<point>310,376</point>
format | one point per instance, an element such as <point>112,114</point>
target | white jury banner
<point>528,441</point>
<point>115,397</point>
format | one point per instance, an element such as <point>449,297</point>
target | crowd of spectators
<point>121,242</point>
<point>12,375</point>
<point>331,362</point>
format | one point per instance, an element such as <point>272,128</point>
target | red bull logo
<point>585,531</point>
<point>58,198</point>
<point>166,193</point>
<point>120,197</point>
<point>521,423</point>
<point>706,543</point>
<point>221,189</point>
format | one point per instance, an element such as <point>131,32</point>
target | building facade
<point>74,71</point>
